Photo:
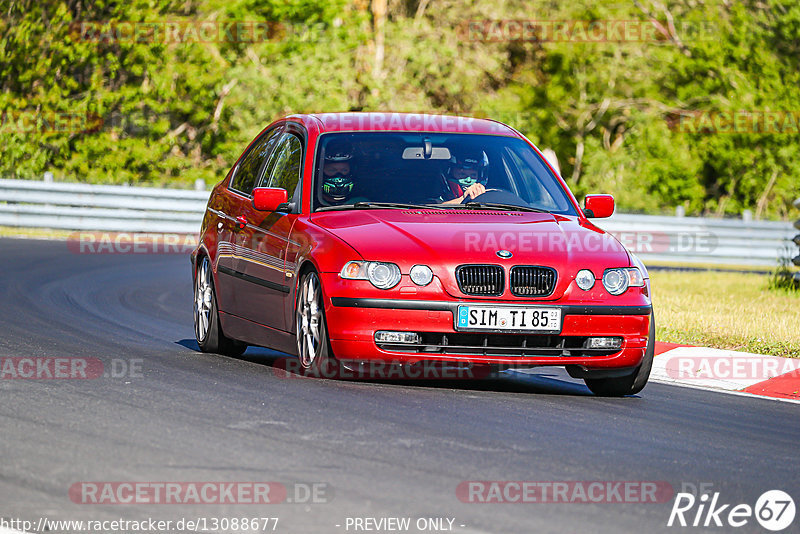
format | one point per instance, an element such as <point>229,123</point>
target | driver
<point>337,175</point>
<point>466,176</point>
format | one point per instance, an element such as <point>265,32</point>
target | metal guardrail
<point>701,240</point>
<point>655,239</point>
<point>111,208</point>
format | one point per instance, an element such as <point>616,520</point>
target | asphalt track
<point>386,449</point>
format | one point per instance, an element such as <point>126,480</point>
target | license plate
<point>509,318</point>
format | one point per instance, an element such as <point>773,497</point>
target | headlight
<point>617,281</point>
<point>585,279</point>
<point>382,275</point>
<point>421,275</point>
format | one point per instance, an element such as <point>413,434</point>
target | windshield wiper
<point>392,205</point>
<point>509,207</point>
<point>379,205</point>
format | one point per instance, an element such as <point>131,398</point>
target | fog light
<point>385,336</point>
<point>604,343</point>
<point>421,275</point>
<point>585,279</point>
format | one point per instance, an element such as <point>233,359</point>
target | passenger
<point>337,174</point>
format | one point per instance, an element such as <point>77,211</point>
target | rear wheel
<point>207,329</point>
<point>633,383</point>
<point>313,346</point>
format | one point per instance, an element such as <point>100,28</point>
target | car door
<point>232,212</point>
<point>266,237</point>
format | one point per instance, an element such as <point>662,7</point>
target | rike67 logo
<point>774,510</point>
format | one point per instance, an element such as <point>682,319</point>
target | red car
<point>402,238</point>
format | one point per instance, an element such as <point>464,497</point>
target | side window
<point>534,192</point>
<point>283,168</point>
<point>248,170</point>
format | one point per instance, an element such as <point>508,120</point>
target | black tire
<point>633,383</point>
<point>313,344</point>
<point>207,329</point>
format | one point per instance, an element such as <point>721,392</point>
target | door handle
<point>241,222</point>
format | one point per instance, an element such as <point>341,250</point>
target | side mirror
<point>598,206</point>
<point>269,198</point>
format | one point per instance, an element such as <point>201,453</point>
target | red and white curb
<point>727,371</point>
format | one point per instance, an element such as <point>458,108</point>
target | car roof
<point>404,122</point>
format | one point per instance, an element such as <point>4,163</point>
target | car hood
<point>444,239</point>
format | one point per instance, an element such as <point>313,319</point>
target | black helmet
<point>338,151</point>
<point>338,186</point>
<point>469,161</point>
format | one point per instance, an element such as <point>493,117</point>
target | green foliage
<point>173,112</point>
<point>785,277</point>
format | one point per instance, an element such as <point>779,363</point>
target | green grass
<point>726,310</point>
<point>34,233</point>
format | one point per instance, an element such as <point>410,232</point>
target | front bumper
<point>353,321</point>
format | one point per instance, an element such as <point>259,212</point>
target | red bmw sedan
<point>385,237</point>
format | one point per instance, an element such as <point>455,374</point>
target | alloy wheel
<point>202,300</point>
<point>309,318</point>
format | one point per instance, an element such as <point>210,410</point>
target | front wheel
<point>633,383</point>
<point>313,347</point>
<point>207,329</point>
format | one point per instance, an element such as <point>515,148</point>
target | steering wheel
<point>498,196</point>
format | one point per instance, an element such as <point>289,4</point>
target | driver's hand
<point>473,191</point>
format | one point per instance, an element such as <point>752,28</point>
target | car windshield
<point>400,169</point>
